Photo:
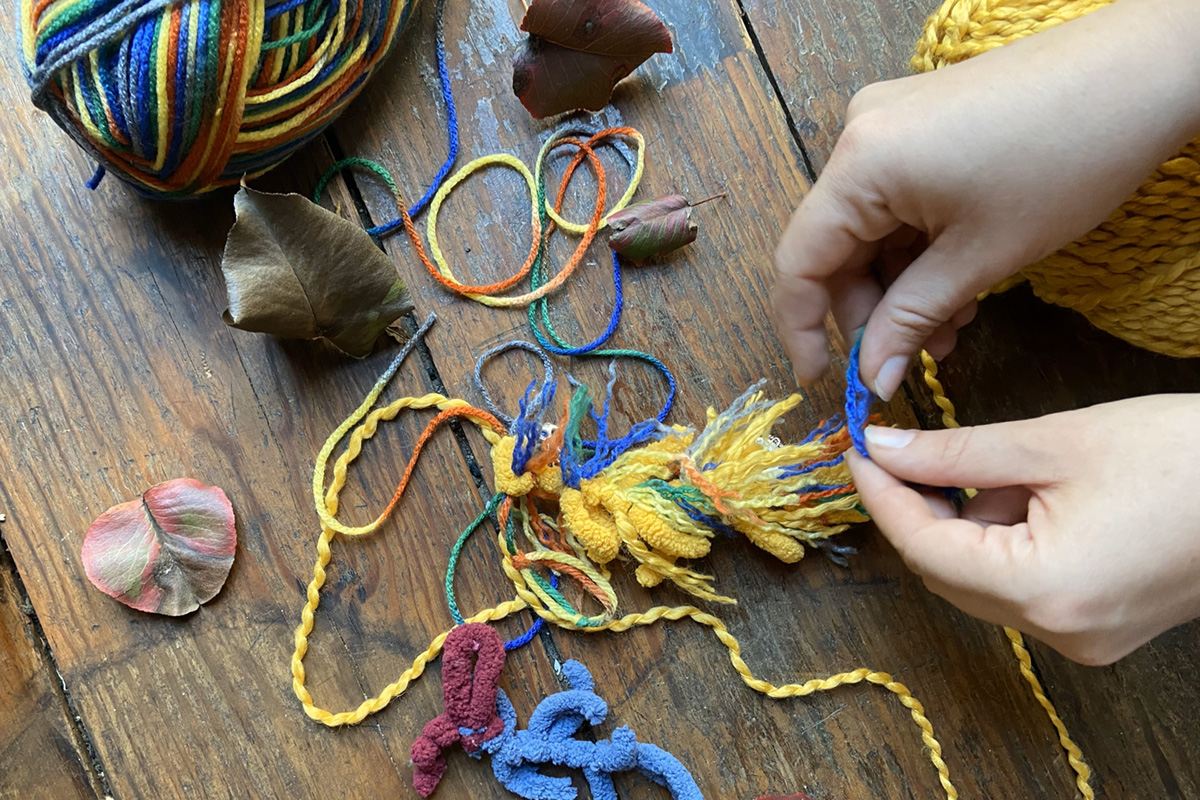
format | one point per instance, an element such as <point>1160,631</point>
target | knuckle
<point>1062,613</point>
<point>863,100</point>
<point>1089,652</point>
<point>857,140</point>
<point>915,315</point>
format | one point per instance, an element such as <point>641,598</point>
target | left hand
<point>1086,531</point>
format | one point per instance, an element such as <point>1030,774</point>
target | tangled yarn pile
<point>182,96</point>
<point>572,498</point>
<point>1137,275</point>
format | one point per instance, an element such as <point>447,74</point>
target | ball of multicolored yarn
<point>179,97</point>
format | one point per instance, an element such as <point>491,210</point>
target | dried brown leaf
<point>296,271</point>
<point>653,227</point>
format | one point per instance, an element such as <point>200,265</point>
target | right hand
<point>1086,531</point>
<point>946,183</point>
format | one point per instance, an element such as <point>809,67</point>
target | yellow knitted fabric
<point>1137,275</point>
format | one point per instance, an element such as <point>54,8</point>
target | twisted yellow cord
<point>1074,755</point>
<point>529,595</point>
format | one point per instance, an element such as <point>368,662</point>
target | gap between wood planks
<point>81,738</point>
<point>752,36</point>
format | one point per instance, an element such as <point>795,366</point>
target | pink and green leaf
<point>167,552</point>
<point>653,227</point>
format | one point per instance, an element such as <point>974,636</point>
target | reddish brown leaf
<point>797,796</point>
<point>578,50</point>
<point>653,227</point>
<point>166,552</point>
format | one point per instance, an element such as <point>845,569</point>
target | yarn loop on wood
<point>182,97</point>
<point>1137,275</point>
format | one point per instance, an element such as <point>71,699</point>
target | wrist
<point>1153,47</point>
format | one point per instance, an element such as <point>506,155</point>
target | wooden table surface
<point>118,373</point>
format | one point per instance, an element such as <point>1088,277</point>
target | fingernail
<point>888,437</point>
<point>889,377</point>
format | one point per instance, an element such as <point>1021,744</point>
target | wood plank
<point>821,52</point>
<point>1134,720</point>
<point>120,374</point>
<point>40,751</point>
<point>673,685</point>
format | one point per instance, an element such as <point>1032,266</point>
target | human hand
<point>1086,533</point>
<point>946,183</point>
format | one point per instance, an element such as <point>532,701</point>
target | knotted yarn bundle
<point>1137,275</point>
<point>662,494</point>
<point>182,96</point>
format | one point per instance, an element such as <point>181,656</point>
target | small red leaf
<point>653,227</point>
<point>166,552</point>
<point>579,49</point>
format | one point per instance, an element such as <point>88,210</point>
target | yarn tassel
<point>664,501</point>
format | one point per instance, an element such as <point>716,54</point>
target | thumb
<point>923,297</point>
<point>1020,453</point>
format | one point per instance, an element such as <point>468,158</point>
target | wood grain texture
<point>41,755</point>
<point>119,374</point>
<point>1020,358</point>
<point>820,52</point>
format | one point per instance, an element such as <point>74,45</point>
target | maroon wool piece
<point>472,660</point>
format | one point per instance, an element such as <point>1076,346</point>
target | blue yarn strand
<point>93,182</point>
<point>613,321</point>
<point>274,11</point>
<point>858,400</point>
<point>451,135</point>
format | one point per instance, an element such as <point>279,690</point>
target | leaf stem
<point>708,199</point>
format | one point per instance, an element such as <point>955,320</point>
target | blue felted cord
<point>519,755</point>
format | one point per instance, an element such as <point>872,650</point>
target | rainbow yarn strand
<point>179,98</point>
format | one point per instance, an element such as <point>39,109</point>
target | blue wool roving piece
<point>519,755</point>
<point>858,400</point>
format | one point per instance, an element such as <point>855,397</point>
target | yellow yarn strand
<point>1083,772</point>
<point>435,207</point>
